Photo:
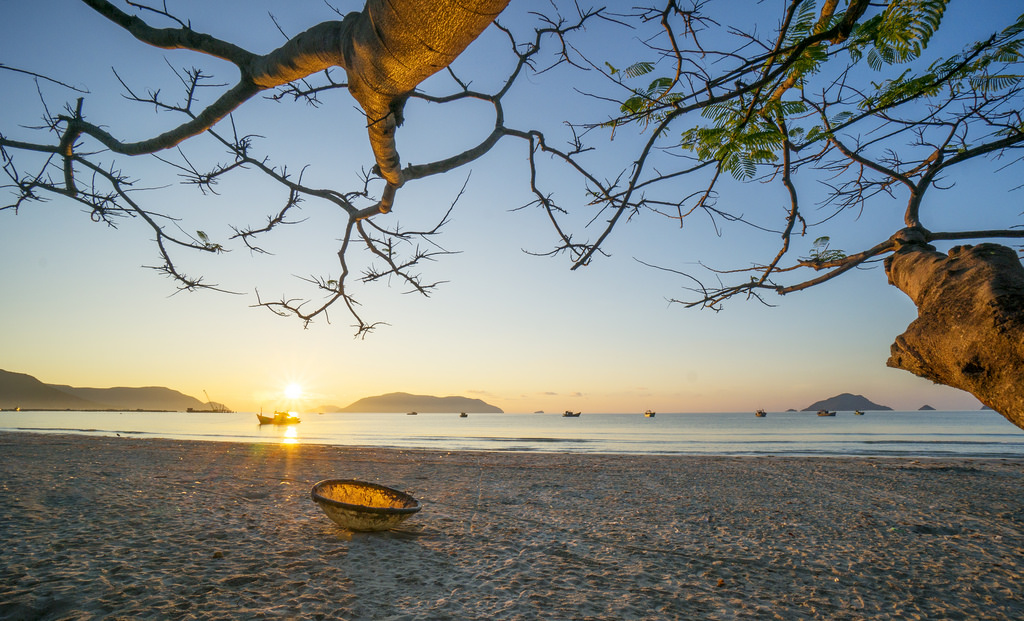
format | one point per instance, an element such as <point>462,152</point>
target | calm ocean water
<point>924,434</point>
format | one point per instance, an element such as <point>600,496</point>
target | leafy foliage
<point>968,70</point>
<point>738,140</point>
<point>645,104</point>
<point>805,25</point>
<point>898,34</point>
<point>746,131</point>
<point>846,94</point>
<point>821,253</point>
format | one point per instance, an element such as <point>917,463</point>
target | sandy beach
<point>96,527</point>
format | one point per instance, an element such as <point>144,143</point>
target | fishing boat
<point>825,413</point>
<point>279,418</point>
<point>760,413</point>
<point>858,413</point>
<point>570,414</point>
<point>411,413</point>
<point>463,415</point>
<point>649,414</point>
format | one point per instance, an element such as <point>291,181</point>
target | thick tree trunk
<point>969,333</point>
<point>395,45</point>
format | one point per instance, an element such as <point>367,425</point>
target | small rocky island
<point>404,402</point>
<point>846,403</point>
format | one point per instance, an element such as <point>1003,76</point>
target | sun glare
<point>293,391</point>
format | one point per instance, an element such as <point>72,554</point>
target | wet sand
<point>95,527</point>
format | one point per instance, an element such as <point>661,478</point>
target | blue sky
<point>521,332</point>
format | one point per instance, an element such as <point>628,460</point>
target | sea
<point>980,434</point>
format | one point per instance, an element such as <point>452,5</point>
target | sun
<point>293,391</point>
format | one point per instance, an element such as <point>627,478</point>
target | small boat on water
<point>649,414</point>
<point>279,418</point>
<point>825,413</point>
<point>463,415</point>
<point>760,413</point>
<point>858,413</point>
<point>570,414</point>
<point>411,413</point>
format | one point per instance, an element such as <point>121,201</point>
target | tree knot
<point>915,236</point>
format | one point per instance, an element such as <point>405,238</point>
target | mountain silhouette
<point>19,390</point>
<point>405,402</point>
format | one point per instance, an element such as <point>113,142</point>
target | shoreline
<point>97,526</point>
<point>147,437</point>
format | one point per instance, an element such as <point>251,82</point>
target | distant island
<point>20,390</point>
<point>405,402</point>
<point>846,402</point>
<point>25,392</point>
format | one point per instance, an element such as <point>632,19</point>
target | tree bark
<point>969,333</point>
<point>396,45</point>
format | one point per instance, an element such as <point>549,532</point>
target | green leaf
<point>899,34</point>
<point>633,105</point>
<point>992,83</point>
<point>821,253</point>
<point>638,69</point>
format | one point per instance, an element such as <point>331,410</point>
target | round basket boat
<point>358,505</point>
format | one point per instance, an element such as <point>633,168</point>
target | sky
<point>519,331</point>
